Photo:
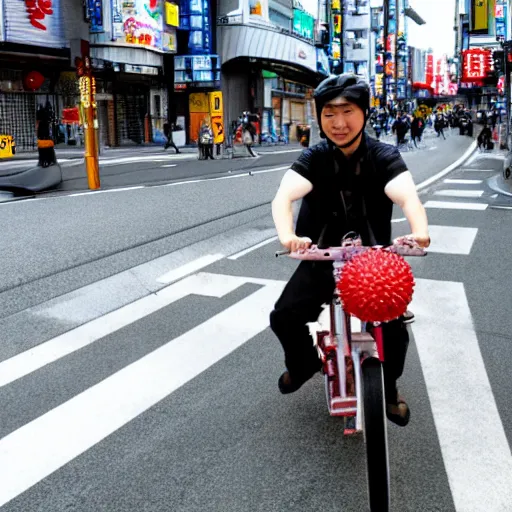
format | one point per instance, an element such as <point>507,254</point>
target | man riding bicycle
<point>347,183</point>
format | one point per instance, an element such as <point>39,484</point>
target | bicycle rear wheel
<point>375,435</point>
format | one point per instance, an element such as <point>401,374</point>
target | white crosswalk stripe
<point>467,442</point>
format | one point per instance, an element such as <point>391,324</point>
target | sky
<point>437,33</point>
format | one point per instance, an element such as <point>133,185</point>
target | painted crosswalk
<point>445,336</point>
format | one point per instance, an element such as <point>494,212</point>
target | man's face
<point>341,120</point>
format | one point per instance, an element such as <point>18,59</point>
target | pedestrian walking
<point>168,136</point>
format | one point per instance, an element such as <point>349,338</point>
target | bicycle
<point>352,367</point>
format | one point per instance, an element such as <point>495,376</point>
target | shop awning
<point>265,44</point>
<point>132,55</point>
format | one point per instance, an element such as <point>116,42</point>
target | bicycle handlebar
<point>345,253</point>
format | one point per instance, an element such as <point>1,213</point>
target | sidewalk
<point>72,153</point>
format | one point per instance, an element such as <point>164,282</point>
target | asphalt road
<point>138,373</point>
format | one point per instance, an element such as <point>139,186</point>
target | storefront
<point>36,77</point>
<point>128,44</point>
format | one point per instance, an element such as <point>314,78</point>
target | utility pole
<point>384,57</point>
<point>90,120</point>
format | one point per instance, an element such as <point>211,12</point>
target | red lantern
<point>34,80</point>
<point>376,286</point>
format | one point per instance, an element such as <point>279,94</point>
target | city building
<point>482,29</point>
<point>389,57</point>
<point>271,59</point>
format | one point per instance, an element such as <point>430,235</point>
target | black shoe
<point>288,384</point>
<point>408,317</point>
<point>398,412</point>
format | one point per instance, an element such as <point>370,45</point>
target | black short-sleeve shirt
<point>348,194</point>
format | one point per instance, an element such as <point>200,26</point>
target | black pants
<point>170,143</point>
<point>311,286</point>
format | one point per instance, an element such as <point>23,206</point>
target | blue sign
<point>95,16</point>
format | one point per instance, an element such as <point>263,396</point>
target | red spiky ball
<point>376,286</point>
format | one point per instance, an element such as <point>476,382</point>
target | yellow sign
<point>336,5</point>
<point>216,103</point>
<point>480,15</point>
<point>172,14</point>
<point>218,129</point>
<point>7,146</point>
<point>217,115</point>
<point>198,103</point>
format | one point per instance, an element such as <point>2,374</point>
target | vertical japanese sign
<point>337,28</point>
<point>480,16</point>
<point>500,14</point>
<point>96,15</point>
<point>117,18</point>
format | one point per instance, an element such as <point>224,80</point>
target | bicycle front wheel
<point>375,435</point>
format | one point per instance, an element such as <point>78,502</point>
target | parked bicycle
<point>352,366</point>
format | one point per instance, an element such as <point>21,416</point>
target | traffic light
<point>498,59</point>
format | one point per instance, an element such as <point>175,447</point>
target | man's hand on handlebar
<point>295,243</point>
<point>419,239</point>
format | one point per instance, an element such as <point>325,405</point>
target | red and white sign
<point>499,11</point>
<point>476,64</point>
<point>35,22</point>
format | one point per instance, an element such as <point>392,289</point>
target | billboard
<point>95,10</point>
<point>142,22</point>
<point>34,23</point>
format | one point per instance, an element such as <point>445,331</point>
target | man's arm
<point>292,188</point>
<point>402,191</point>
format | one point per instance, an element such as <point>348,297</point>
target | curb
<point>450,168</point>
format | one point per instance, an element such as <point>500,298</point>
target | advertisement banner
<point>34,23</point>
<point>142,22</point>
<point>480,15</point>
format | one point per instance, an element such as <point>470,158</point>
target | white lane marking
<point>189,268</point>
<point>282,152</point>
<point>148,159</point>
<point>501,207</point>
<point>47,443</point>
<point>459,193</point>
<point>462,182</point>
<point>169,165</point>
<point>401,219</point>
<point>455,206</point>
<point>452,240</point>
<point>473,443</point>
<point>253,248</point>
<point>104,191</point>
<point>448,169</point>
<point>479,170</point>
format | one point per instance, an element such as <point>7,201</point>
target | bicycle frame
<point>343,353</point>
